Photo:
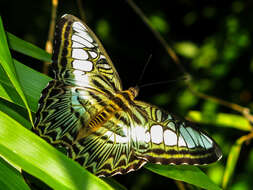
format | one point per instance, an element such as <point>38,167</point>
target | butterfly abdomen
<point>97,121</point>
<point>101,118</point>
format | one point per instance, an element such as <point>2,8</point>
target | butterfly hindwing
<point>174,141</point>
<point>109,150</point>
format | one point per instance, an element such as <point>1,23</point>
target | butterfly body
<point>121,101</point>
<point>86,111</point>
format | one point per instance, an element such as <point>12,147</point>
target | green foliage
<point>103,28</point>
<point>189,174</point>
<point>10,174</point>
<point>221,119</point>
<point>186,49</point>
<point>159,23</point>
<point>8,66</point>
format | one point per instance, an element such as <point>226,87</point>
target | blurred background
<point>213,40</point>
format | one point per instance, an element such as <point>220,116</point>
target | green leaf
<point>28,151</point>
<point>222,119</point>
<point>159,23</point>
<point>113,183</point>
<point>16,112</point>
<point>189,174</point>
<point>27,48</point>
<point>7,91</point>
<point>232,161</point>
<point>9,68</point>
<point>10,178</point>
<point>186,49</point>
<point>32,88</point>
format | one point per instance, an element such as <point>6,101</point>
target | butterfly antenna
<point>143,70</point>
<point>163,82</point>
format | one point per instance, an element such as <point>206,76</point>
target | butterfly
<point>85,111</point>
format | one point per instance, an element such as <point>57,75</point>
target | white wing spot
<point>82,65</point>
<point>138,134</point>
<point>116,138</point>
<point>170,138</point>
<point>81,78</point>
<point>81,40</point>
<point>147,137</point>
<point>77,45</point>
<point>102,57</point>
<point>181,141</point>
<point>156,134</point>
<point>79,26</point>
<point>93,54</point>
<point>83,33</point>
<point>79,73</point>
<point>120,139</point>
<point>105,66</point>
<point>79,54</point>
<point>108,134</point>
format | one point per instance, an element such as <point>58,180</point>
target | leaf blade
<point>10,177</point>
<point>32,88</point>
<point>222,119</point>
<point>9,68</point>
<point>38,158</point>
<point>189,174</point>
<point>27,48</point>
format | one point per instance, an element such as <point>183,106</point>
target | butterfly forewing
<point>85,111</point>
<point>79,56</point>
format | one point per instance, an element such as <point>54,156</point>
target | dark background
<point>213,41</point>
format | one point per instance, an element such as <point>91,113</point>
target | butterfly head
<point>134,91</point>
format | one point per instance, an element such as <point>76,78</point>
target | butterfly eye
<point>134,91</point>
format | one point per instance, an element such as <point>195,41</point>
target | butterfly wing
<point>78,52</point>
<point>168,140</point>
<point>85,79</point>
<point>110,150</point>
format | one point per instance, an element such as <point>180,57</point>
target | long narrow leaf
<point>189,174</point>
<point>27,48</point>
<point>38,158</point>
<point>10,178</point>
<point>9,68</point>
<point>232,161</point>
<point>15,112</point>
<point>32,88</point>
<point>222,119</point>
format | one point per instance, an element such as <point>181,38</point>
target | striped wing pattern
<point>174,141</point>
<point>85,111</point>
